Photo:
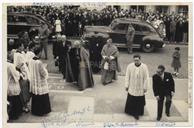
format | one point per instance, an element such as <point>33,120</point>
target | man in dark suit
<point>62,49</point>
<point>163,87</point>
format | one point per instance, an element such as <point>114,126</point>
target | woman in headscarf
<point>110,62</point>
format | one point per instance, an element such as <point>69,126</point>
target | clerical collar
<point>137,65</point>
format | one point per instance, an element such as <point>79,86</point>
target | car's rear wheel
<point>148,47</point>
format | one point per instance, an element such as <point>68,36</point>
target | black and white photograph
<point>97,65</point>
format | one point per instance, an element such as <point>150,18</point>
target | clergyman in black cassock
<point>72,64</point>
<point>62,49</point>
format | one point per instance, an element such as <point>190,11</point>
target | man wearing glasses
<point>163,87</point>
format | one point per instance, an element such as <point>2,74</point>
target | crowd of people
<point>27,74</point>
<point>72,19</point>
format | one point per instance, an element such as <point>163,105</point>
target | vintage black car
<point>25,22</point>
<point>146,36</point>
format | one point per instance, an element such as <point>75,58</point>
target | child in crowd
<point>176,64</point>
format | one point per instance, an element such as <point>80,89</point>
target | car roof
<point>130,20</point>
<point>24,13</point>
<point>29,14</point>
<point>136,21</point>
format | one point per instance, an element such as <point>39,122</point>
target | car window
<point>32,20</point>
<point>147,28</point>
<point>20,19</point>
<point>137,27</point>
<point>13,18</point>
<point>121,27</point>
<point>151,28</point>
<point>10,19</point>
<point>144,28</point>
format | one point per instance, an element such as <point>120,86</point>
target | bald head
<point>63,38</point>
<point>11,42</point>
<point>77,44</point>
<point>59,38</point>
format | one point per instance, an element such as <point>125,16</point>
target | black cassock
<point>62,53</point>
<point>95,47</point>
<point>72,65</point>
